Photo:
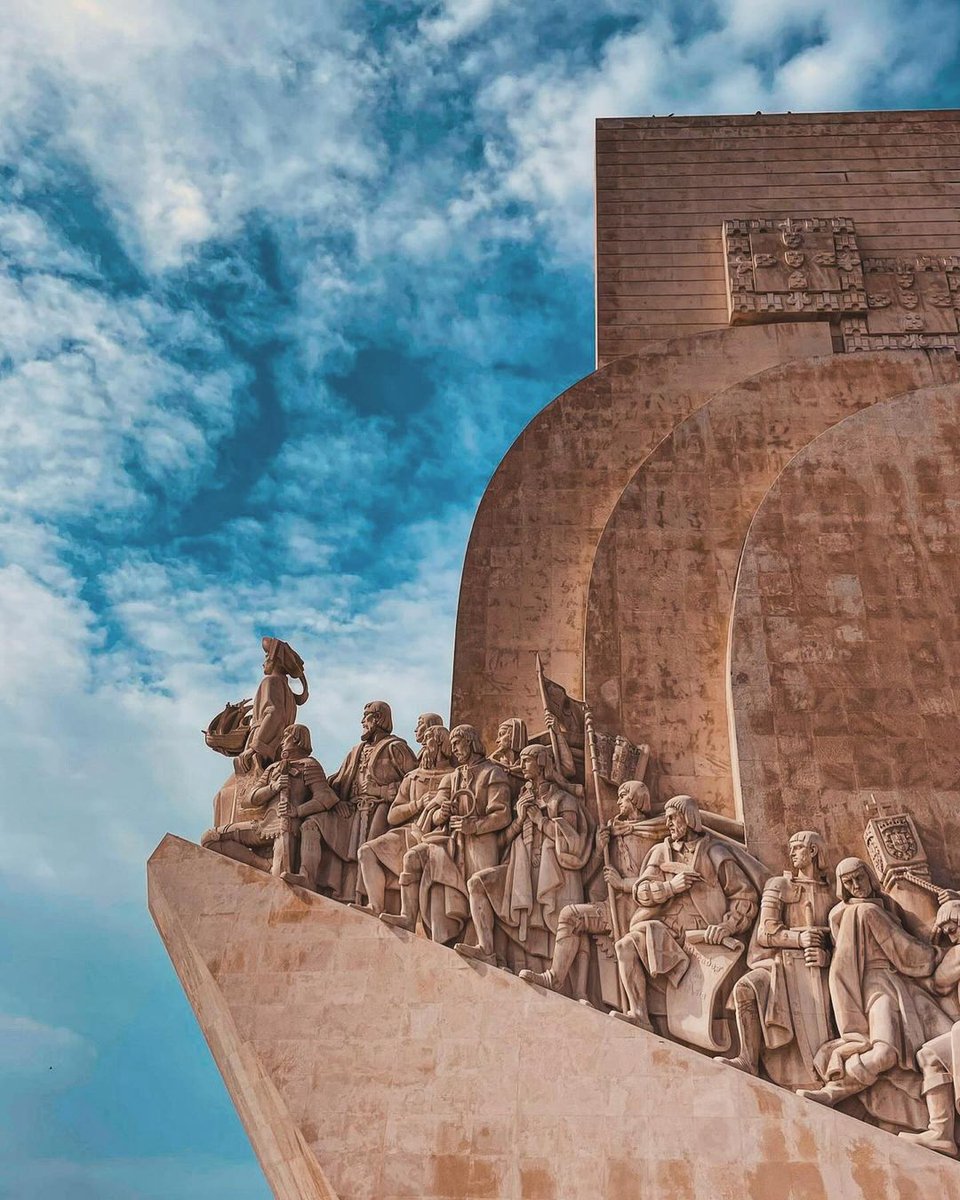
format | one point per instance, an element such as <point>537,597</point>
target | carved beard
<point>428,755</point>
<point>370,735</point>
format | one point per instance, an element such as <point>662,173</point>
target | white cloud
<point>40,1059</point>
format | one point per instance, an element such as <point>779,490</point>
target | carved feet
<point>476,954</point>
<point>544,979</point>
<point>398,921</point>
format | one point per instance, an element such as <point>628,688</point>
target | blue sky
<point>279,283</point>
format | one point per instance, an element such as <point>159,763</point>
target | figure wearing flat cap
<point>782,1004</point>
<point>366,784</point>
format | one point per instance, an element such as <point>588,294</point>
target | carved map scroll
<point>792,270</point>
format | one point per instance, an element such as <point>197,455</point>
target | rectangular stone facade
<point>665,186</point>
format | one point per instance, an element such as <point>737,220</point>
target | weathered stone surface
<point>662,585</point>
<point>845,642</point>
<point>527,566</point>
<point>372,1065</point>
<point>666,184</point>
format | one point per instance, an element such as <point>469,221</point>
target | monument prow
<point>368,1064</point>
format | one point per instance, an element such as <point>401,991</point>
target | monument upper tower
<point>666,185</point>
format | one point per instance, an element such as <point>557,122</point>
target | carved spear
<point>611,894</point>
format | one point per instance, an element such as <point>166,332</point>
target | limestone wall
<point>845,642</point>
<point>661,590</point>
<point>665,184</point>
<point>527,567</point>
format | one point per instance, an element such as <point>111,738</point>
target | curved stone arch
<point>844,661</point>
<point>662,585</point>
<point>528,561</point>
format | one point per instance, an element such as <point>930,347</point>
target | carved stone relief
<point>649,916</point>
<point>791,270</point>
<point>912,304</point>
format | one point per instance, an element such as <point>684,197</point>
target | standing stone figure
<point>782,1004</point>
<point>548,846</point>
<point>293,787</point>
<point>366,783</point>
<point>381,859</point>
<point>883,1015</point>
<point>939,1059</point>
<point>692,881</point>
<point>274,709</point>
<point>274,704</point>
<point>629,838</point>
<point>460,827</point>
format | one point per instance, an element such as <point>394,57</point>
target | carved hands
<point>616,881</point>
<point>682,882</point>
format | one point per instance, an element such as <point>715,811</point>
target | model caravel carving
<point>812,975</point>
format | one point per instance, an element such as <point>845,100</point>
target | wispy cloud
<point>278,286</point>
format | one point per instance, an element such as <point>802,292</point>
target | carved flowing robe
<point>371,773</point>
<point>450,859</point>
<point>875,999</point>
<point>417,787</point>
<point>542,871</point>
<point>274,708</point>
<point>724,896</point>
<point>793,999</point>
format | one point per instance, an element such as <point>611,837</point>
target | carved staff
<point>611,894</point>
<point>546,707</point>
<point>286,835</point>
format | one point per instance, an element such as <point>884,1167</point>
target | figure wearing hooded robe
<point>939,1059</point>
<point>782,1004</point>
<point>460,826</point>
<point>691,881</point>
<point>630,836</point>
<point>366,784</point>
<point>549,843</point>
<point>511,739</point>
<point>882,1013</point>
<point>381,858</point>
<point>296,778</point>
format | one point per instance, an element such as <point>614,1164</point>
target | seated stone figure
<point>289,790</point>
<point>381,859</point>
<point>626,841</point>
<point>939,1059</point>
<point>459,828</point>
<point>548,845</point>
<point>782,1004</point>
<point>691,882</point>
<point>882,1009</point>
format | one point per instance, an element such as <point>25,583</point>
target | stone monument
<point>702,771</point>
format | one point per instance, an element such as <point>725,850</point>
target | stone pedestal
<point>369,1064</point>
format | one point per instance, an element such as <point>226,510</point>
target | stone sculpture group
<point>819,980</point>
